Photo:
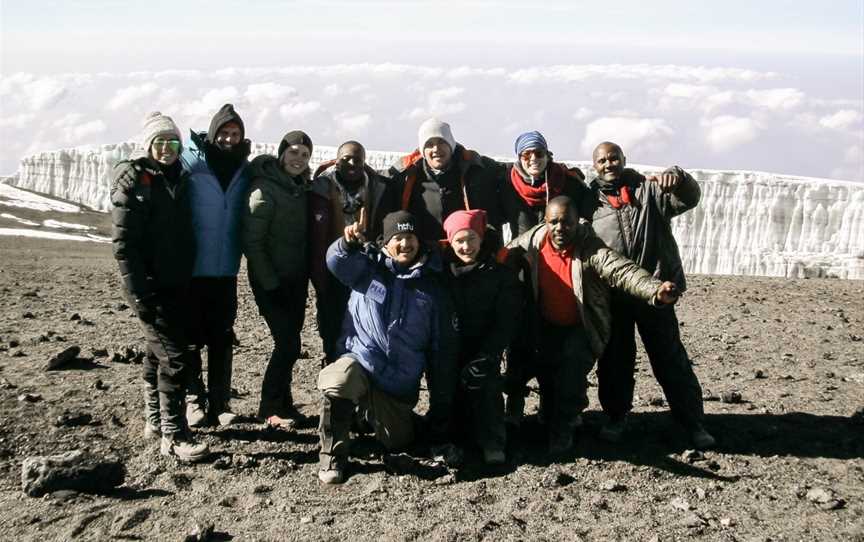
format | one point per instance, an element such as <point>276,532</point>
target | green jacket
<point>274,224</point>
<point>598,269</point>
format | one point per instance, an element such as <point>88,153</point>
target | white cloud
<point>210,103</point>
<point>79,133</point>
<point>348,123</point>
<point>333,90</point>
<point>629,132</point>
<point>574,73</point>
<point>268,92</point>
<point>687,90</point>
<point>17,121</point>
<point>439,103</point>
<point>130,95</point>
<point>775,98</point>
<point>298,110</point>
<point>582,113</point>
<point>726,132</point>
<point>44,93</point>
<point>845,118</point>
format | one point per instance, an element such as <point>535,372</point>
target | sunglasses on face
<point>536,153</point>
<point>173,144</point>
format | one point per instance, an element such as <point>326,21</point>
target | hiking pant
<point>563,361</point>
<point>284,312</point>
<point>330,308</point>
<point>345,379</point>
<point>213,307</point>
<point>658,328</point>
<point>481,418</point>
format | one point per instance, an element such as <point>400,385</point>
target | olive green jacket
<point>274,224</point>
<point>598,269</point>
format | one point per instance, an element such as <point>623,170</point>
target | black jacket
<point>152,233</point>
<point>642,231</point>
<point>432,200</point>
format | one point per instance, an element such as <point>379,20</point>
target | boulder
<point>74,470</point>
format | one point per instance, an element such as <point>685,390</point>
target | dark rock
<point>70,470</point>
<point>74,317</point>
<point>63,358</point>
<point>759,374</point>
<point>222,463</point>
<point>30,397</point>
<point>99,385</point>
<point>202,531</point>
<point>128,354</point>
<point>73,420</point>
<point>6,385</point>
<point>136,518</point>
<point>556,478</point>
<point>100,352</point>
<point>731,397</point>
<point>30,294</point>
<point>121,306</point>
<point>656,401</point>
<point>28,315</point>
<point>14,343</point>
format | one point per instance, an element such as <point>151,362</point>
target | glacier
<point>748,222</point>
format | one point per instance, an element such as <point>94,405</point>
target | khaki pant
<point>391,418</point>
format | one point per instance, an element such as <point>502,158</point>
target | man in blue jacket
<point>216,161</point>
<point>400,326</point>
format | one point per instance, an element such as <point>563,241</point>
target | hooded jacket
<point>274,224</point>
<point>470,182</point>
<point>642,231</point>
<point>595,269</point>
<point>400,323</point>
<point>151,230</point>
<point>216,213</point>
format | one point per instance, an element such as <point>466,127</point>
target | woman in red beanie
<point>487,298</point>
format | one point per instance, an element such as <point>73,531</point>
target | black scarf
<point>224,164</point>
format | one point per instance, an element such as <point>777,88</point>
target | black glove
<point>475,373</point>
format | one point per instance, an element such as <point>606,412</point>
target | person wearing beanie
<point>487,299</point>
<point>530,182</point>
<point>275,231</point>
<point>399,325</point>
<point>441,177</point>
<point>341,190</point>
<point>154,247</point>
<point>216,162</point>
<point>571,271</point>
<point>633,214</point>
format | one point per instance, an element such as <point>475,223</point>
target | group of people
<point>447,266</point>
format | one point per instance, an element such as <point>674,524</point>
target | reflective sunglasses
<point>537,153</point>
<point>173,144</point>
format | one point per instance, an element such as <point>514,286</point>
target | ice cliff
<point>748,223</point>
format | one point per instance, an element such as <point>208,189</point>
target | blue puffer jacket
<point>401,323</point>
<point>216,215</point>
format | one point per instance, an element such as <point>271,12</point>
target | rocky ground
<point>781,363</point>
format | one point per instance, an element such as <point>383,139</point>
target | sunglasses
<point>173,144</point>
<point>537,153</point>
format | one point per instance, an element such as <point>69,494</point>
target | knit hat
<point>474,219</point>
<point>155,125</point>
<point>222,117</point>
<point>530,140</point>
<point>398,222</point>
<point>294,137</point>
<point>435,128</point>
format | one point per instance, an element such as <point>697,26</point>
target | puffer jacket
<point>471,182</point>
<point>216,214</point>
<point>151,231</point>
<point>274,224</point>
<point>487,299</point>
<point>595,269</point>
<point>642,231</point>
<point>400,322</point>
<point>326,217</point>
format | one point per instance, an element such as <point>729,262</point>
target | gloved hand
<point>476,371</point>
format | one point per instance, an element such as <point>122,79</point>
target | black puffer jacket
<point>487,300</point>
<point>151,228</point>
<point>470,176</point>
<point>642,231</point>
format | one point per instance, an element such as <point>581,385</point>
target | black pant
<point>284,311</point>
<point>213,310</point>
<point>163,321</point>
<point>481,418</point>
<point>658,328</point>
<point>330,307</point>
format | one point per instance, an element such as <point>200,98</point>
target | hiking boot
<point>226,417</point>
<point>614,430</point>
<point>151,432</point>
<point>195,415</point>
<point>701,438</point>
<point>331,469</point>
<point>183,447</point>
<point>494,456</point>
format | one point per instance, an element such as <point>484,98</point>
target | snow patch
<point>41,234</point>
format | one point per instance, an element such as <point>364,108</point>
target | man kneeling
<point>398,326</point>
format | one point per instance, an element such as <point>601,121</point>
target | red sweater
<point>558,303</point>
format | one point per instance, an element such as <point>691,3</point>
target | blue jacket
<point>401,323</point>
<point>216,214</point>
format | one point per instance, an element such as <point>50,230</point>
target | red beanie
<point>474,219</point>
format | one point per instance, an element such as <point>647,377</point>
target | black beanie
<point>222,117</point>
<point>398,222</point>
<point>294,137</point>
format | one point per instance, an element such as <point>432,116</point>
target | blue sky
<point>773,85</point>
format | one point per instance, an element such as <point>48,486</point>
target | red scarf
<point>536,196</point>
<point>620,201</point>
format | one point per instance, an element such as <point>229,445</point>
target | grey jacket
<point>595,268</point>
<point>642,231</point>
